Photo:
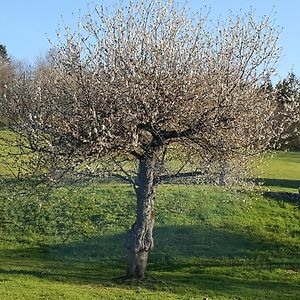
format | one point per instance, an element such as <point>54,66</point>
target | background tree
<point>3,54</point>
<point>6,75</point>
<point>148,94</point>
<point>288,102</point>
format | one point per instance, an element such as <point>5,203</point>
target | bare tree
<point>148,94</point>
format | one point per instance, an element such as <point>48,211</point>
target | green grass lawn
<point>209,242</point>
<point>282,171</point>
<point>284,165</point>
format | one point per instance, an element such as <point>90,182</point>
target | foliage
<point>6,78</point>
<point>288,94</point>
<point>3,54</point>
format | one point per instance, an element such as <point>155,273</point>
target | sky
<point>27,25</point>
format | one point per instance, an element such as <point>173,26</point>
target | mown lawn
<point>209,242</point>
<point>282,172</point>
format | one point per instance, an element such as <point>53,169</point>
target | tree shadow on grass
<point>185,259</point>
<point>285,197</point>
<point>285,183</point>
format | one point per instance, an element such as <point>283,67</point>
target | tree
<point>6,74</point>
<point>288,102</point>
<point>148,94</point>
<point>3,54</point>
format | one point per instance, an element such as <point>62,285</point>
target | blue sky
<point>25,24</point>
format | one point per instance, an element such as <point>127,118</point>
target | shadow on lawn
<point>285,183</point>
<point>285,197</point>
<point>180,261</point>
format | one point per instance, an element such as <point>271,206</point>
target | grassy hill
<point>209,242</point>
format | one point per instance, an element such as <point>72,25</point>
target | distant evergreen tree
<point>267,85</point>
<point>6,76</point>
<point>3,54</point>
<point>288,90</point>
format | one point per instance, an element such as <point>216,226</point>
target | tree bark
<point>139,240</point>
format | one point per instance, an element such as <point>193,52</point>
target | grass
<point>284,165</point>
<point>13,160</point>
<point>282,172</point>
<point>209,242</point>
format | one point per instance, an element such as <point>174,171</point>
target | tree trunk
<point>222,173</point>
<point>139,240</point>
